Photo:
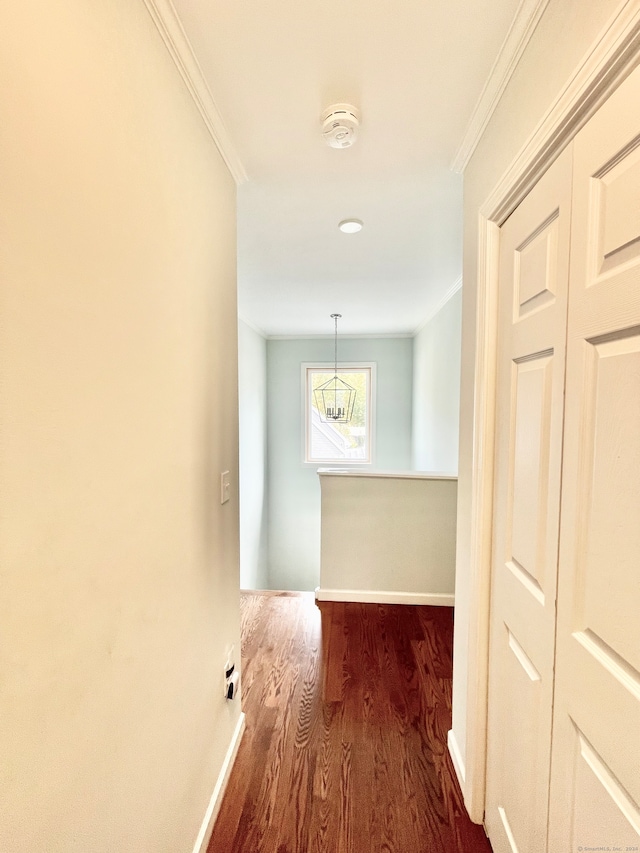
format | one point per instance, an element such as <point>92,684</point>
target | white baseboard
<point>375,596</point>
<point>204,836</point>
<point>456,758</point>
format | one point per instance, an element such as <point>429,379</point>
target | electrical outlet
<point>225,487</point>
<point>232,685</point>
<point>229,657</point>
<point>231,675</point>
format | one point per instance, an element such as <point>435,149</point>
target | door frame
<point>611,58</point>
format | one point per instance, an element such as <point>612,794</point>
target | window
<point>327,441</point>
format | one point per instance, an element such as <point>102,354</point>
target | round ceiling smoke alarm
<point>340,125</point>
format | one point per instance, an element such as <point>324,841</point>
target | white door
<point>534,252</point>
<point>595,791</point>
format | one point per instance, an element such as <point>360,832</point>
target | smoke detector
<point>340,125</point>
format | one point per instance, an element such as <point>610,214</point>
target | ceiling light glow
<point>350,226</point>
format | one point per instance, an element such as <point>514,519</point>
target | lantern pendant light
<point>335,399</point>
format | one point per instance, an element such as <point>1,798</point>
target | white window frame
<point>328,366</point>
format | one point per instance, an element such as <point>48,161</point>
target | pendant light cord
<point>335,317</point>
<point>335,366</point>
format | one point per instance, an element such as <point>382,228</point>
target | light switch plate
<point>225,487</point>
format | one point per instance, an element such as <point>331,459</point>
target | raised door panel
<point>528,503</point>
<point>595,791</point>
<point>532,320</point>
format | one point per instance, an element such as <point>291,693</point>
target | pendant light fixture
<point>335,399</point>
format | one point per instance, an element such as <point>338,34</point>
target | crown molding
<point>343,337</point>
<point>168,24</point>
<point>522,28</point>
<point>455,287</point>
<point>612,57</point>
<point>252,326</point>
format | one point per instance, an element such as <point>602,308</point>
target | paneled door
<point>595,789</point>
<point>534,258</point>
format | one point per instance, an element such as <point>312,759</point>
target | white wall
<point>252,387</point>
<point>436,390</point>
<point>294,490</point>
<point>565,32</point>
<point>388,538</point>
<point>119,410</point>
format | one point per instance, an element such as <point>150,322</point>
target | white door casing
<point>595,789</point>
<point>534,259</point>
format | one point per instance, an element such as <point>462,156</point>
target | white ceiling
<point>415,70</point>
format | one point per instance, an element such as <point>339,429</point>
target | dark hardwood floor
<point>348,708</point>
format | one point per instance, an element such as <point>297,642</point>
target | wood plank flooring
<point>348,708</point>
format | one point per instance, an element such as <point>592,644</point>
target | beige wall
<point>563,36</point>
<point>118,565</point>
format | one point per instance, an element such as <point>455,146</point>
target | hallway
<point>348,707</point>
